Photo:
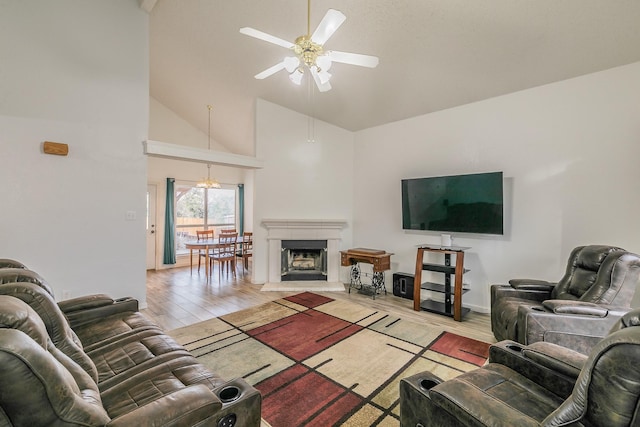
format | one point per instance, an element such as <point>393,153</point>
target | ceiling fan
<point>309,52</point>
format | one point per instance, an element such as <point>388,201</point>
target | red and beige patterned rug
<point>324,362</point>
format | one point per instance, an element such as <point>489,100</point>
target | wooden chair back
<point>246,251</point>
<point>204,234</point>
<point>227,246</point>
<point>228,231</point>
<point>225,254</point>
<point>247,244</point>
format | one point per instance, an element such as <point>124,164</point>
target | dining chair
<point>203,235</point>
<point>246,249</point>
<point>222,232</point>
<point>226,253</point>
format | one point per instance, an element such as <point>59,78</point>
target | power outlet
<point>66,294</point>
<point>130,215</point>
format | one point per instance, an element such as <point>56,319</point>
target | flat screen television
<point>459,203</point>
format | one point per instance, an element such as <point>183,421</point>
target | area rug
<point>324,362</point>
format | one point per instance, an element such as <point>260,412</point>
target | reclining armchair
<point>543,384</point>
<point>96,361</point>
<point>576,312</point>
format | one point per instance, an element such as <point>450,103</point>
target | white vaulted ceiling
<point>434,54</point>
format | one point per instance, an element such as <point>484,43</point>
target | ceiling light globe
<point>296,76</point>
<point>324,76</point>
<point>291,63</point>
<point>324,62</point>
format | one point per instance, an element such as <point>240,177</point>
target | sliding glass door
<point>202,209</point>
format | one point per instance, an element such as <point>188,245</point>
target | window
<point>202,209</point>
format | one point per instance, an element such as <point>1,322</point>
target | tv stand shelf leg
<point>417,280</point>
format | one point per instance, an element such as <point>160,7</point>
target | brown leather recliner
<point>118,368</point>
<point>576,312</point>
<point>543,384</point>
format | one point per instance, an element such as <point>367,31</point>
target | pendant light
<point>209,183</point>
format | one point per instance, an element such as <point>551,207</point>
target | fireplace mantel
<point>304,229</point>
<point>296,226</point>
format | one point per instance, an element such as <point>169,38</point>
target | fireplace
<point>303,260</point>
<point>316,263</point>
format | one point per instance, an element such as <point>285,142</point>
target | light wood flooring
<point>176,297</point>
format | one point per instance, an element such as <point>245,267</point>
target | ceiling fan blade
<point>266,37</point>
<point>270,71</point>
<point>329,24</point>
<point>354,59</point>
<point>322,87</point>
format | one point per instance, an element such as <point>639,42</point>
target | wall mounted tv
<point>458,203</point>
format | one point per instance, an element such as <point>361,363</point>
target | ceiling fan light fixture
<point>309,51</point>
<point>296,76</point>
<point>291,63</point>
<point>324,76</point>
<point>322,86</point>
<point>323,62</point>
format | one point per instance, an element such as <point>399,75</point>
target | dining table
<point>206,246</point>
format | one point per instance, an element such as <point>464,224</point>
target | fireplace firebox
<point>304,260</point>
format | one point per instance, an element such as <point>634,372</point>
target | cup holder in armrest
<point>229,394</point>
<point>514,347</point>
<point>428,383</point>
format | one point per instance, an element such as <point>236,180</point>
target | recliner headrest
<point>11,275</point>
<point>16,314</point>
<point>55,323</point>
<point>592,256</point>
<point>11,263</point>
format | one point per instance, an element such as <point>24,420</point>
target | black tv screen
<point>458,203</point>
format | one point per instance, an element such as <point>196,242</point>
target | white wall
<point>300,180</point>
<point>569,152</point>
<point>76,73</point>
<point>166,126</point>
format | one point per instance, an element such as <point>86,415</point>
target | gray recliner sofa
<point>542,384</point>
<point>577,311</point>
<point>96,361</point>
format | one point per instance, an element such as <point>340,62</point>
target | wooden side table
<point>379,259</point>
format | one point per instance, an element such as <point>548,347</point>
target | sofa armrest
<point>187,406</point>
<point>575,307</point>
<point>535,295</point>
<point>514,356</point>
<point>556,357</point>
<point>85,302</point>
<point>579,331</point>
<point>469,402</point>
<point>94,307</point>
<point>532,284</point>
